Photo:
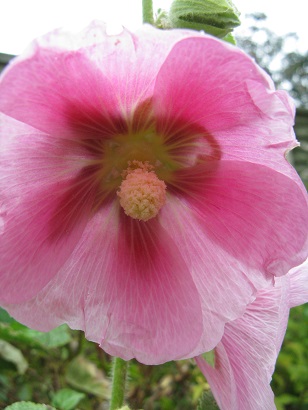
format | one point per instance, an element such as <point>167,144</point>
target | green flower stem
<point>118,383</point>
<point>147,11</point>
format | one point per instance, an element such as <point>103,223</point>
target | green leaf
<point>16,332</point>
<point>285,399</point>
<point>207,402</point>
<point>5,317</point>
<point>5,386</point>
<point>85,376</point>
<point>216,17</point>
<point>28,405</point>
<point>57,337</point>
<point>13,355</point>
<point>67,399</point>
<point>25,392</point>
<point>209,357</point>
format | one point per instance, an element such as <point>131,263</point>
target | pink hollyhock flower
<point>245,357</point>
<point>145,194</point>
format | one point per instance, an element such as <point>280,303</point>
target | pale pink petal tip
<point>299,285</point>
<point>245,358</point>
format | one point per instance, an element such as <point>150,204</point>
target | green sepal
<point>162,20</point>
<point>216,17</point>
<point>229,38</point>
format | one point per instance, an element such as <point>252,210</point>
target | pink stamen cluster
<point>141,193</point>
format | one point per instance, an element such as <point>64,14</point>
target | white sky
<point>23,20</point>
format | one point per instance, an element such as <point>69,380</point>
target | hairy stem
<point>118,383</point>
<point>147,11</point>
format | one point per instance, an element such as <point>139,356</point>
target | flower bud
<point>218,18</point>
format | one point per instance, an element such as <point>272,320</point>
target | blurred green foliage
<point>290,380</point>
<point>65,371</point>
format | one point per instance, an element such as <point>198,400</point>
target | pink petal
<point>218,275</point>
<point>242,225</point>
<point>127,286</point>
<point>45,204</point>
<point>68,83</point>
<point>235,217</point>
<point>299,285</point>
<point>223,90</point>
<point>246,355</point>
<point>255,214</point>
<point>59,86</point>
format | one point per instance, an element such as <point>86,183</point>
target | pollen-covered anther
<point>141,193</point>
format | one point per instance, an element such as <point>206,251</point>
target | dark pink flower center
<point>172,154</point>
